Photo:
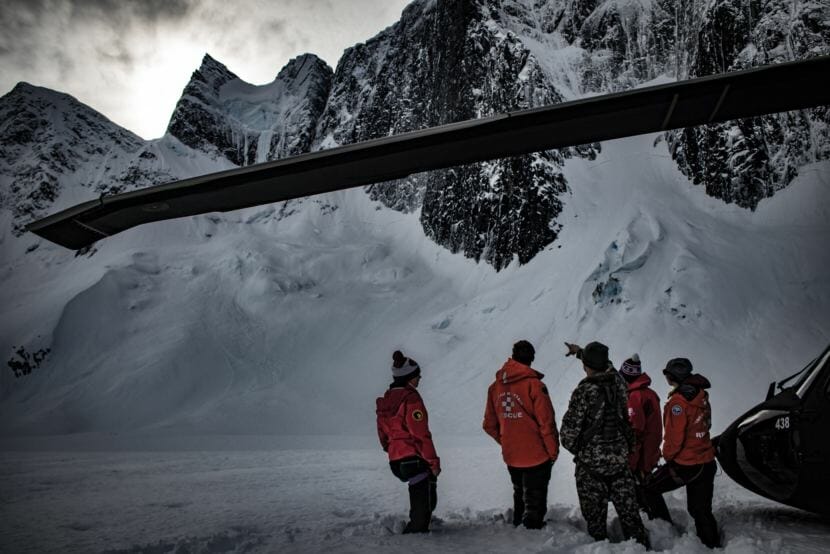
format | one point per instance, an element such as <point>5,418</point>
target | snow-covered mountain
<point>56,152</point>
<point>235,322</point>
<point>747,160</point>
<point>446,62</point>
<point>222,115</point>
<point>449,61</point>
<point>53,143</point>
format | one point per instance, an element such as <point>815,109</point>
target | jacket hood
<point>641,382</point>
<point>513,371</point>
<point>601,378</point>
<point>692,387</point>
<point>388,404</point>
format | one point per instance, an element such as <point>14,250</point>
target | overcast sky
<point>130,59</point>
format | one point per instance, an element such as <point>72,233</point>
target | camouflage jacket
<point>606,452</point>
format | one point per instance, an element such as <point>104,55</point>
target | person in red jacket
<point>519,416</point>
<point>644,417</point>
<point>688,451</point>
<point>403,430</point>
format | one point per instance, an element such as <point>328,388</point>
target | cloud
<point>131,59</point>
<point>35,33</point>
<point>147,10</point>
<point>116,11</point>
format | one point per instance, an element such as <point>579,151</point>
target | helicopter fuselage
<point>780,449</point>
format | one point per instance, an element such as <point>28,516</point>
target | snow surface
<point>317,494</point>
<point>211,383</point>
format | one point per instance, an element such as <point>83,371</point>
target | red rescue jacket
<point>403,428</point>
<point>644,416</point>
<point>687,418</point>
<point>519,415</point>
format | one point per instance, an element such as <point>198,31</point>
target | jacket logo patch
<point>418,415</point>
<point>509,408</point>
<point>676,409</point>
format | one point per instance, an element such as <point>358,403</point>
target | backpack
<point>607,423</point>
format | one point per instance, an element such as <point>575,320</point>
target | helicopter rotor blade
<point>728,96</point>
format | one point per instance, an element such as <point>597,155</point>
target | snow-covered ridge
<point>52,144</point>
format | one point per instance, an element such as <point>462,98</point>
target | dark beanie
<point>595,356</point>
<point>403,368</point>
<point>523,352</point>
<point>678,369</point>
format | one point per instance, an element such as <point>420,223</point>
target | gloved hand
<point>573,349</point>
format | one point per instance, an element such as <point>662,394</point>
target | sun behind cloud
<point>158,82</point>
<point>131,60</point>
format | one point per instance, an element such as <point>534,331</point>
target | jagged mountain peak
<point>23,87</point>
<point>29,111</point>
<point>48,99</point>
<point>46,137</point>
<point>228,118</point>
<point>33,117</point>
<point>302,65</point>
<point>210,61</point>
<point>211,73</point>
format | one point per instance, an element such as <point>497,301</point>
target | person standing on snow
<point>688,451</point>
<point>644,417</point>
<point>403,430</point>
<point>596,431</point>
<point>520,417</point>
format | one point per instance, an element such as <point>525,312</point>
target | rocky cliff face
<point>47,138</point>
<point>447,61</point>
<point>450,61</point>
<point>500,209</point>
<point>627,42</point>
<point>624,42</point>
<point>222,115</point>
<point>747,160</point>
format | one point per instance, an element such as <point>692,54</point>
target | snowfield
<point>212,380</point>
<point>318,494</point>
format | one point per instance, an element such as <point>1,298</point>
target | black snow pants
<point>699,482</point>
<point>423,492</point>
<point>530,494</point>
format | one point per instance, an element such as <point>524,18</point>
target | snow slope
<point>272,312</point>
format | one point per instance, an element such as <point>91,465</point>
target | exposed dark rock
<point>747,160</point>
<point>45,138</point>
<point>24,362</point>
<point>448,61</point>
<point>221,114</point>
